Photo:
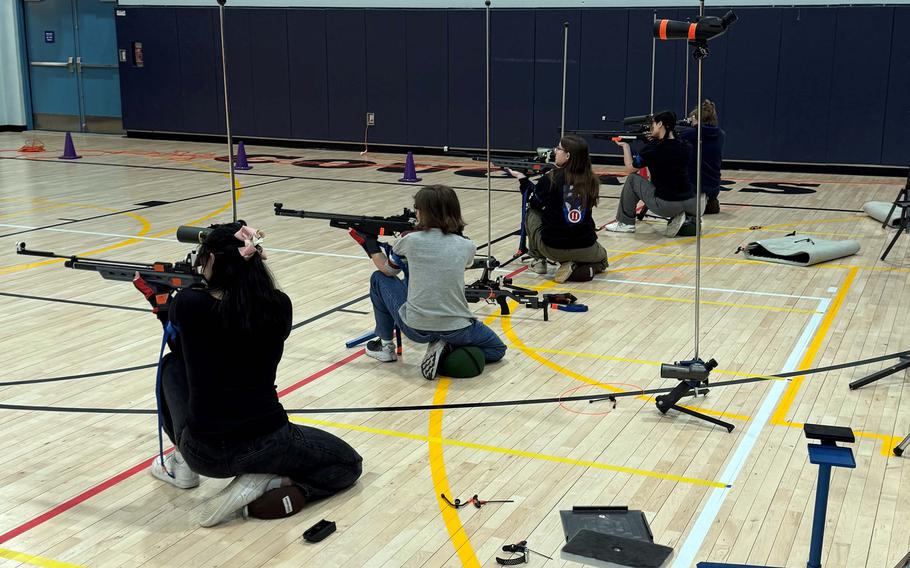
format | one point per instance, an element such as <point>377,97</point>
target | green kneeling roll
<point>462,362</point>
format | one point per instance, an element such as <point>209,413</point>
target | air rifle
<point>637,128</point>
<point>368,225</point>
<point>535,165</point>
<point>165,277</point>
<point>501,290</point>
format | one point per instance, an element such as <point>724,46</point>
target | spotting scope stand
<point>899,449</point>
<point>886,372</point>
<point>693,378</point>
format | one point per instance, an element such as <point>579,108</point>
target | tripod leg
<point>704,417</point>
<point>905,363</point>
<point>899,450</point>
<point>894,240</point>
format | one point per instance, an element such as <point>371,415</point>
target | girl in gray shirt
<point>430,306</point>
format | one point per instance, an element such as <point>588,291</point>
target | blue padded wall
<point>308,71</point>
<point>794,84</point>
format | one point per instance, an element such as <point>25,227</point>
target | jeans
<point>318,462</point>
<point>638,188</point>
<point>388,293</point>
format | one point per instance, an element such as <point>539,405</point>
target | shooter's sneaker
<point>382,351</point>
<point>228,503</point>
<point>538,265</point>
<point>618,227</point>
<point>174,471</point>
<point>564,271</point>
<point>675,223</point>
<point>431,359</point>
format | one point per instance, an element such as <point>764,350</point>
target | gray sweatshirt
<point>436,264</point>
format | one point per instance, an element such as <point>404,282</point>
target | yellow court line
<point>507,451</point>
<point>35,560</point>
<point>789,397</point>
<point>647,362</point>
<point>506,323</point>
<point>450,517</point>
<point>684,300</point>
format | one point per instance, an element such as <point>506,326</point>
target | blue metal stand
<point>825,455</point>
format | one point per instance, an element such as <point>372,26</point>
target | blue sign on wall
<point>49,36</point>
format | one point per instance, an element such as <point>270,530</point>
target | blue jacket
<point>712,150</point>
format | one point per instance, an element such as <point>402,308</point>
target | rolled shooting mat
<point>798,250</point>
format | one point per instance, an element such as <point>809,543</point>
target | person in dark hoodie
<point>712,150</point>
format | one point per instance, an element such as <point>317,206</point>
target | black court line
<point>103,215</point>
<point>76,302</point>
<point>358,312</point>
<point>313,178</point>
<point>82,376</point>
<point>485,404</point>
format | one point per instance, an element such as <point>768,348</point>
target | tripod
<point>899,450</point>
<point>896,368</point>
<point>903,225</point>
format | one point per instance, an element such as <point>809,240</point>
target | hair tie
<point>251,242</point>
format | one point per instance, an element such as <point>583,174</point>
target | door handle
<point>79,65</point>
<point>68,64</point>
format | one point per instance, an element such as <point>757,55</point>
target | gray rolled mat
<point>799,250</point>
<point>878,210</point>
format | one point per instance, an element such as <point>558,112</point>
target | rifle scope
<point>192,235</point>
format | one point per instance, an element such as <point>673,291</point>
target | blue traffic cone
<point>241,163</point>
<point>69,151</point>
<point>410,172</point>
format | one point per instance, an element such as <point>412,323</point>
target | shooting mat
<point>798,250</point>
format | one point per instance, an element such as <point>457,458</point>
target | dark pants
<point>318,462</point>
<point>388,293</point>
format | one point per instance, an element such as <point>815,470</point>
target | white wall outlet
<point>371,119</point>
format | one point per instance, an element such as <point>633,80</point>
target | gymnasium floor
<point>73,486</point>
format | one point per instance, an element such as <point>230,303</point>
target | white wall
<point>12,103</point>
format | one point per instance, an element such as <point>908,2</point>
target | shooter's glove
<point>369,243</point>
<point>157,295</point>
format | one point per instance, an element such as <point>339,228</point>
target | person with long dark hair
<point>668,193</point>
<point>430,307</point>
<point>218,402</point>
<point>559,221</point>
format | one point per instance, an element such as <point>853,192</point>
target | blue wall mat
<point>199,81</point>
<point>308,70</point>
<point>240,74</point>
<point>387,87</point>
<point>151,93</point>
<point>751,84</point>
<point>346,41</point>
<point>804,85</point>
<point>547,92</point>
<point>512,80</point>
<point>427,77</point>
<point>638,64</point>
<point>271,86</point>
<point>895,142</point>
<point>601,90</point>
<point>862,78</point>
<point>467,94</point>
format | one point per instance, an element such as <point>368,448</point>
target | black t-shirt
<point>231,375</point>
<point>567,221</point>
<point>667,161</point>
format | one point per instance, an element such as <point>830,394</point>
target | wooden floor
<point>73,486</point>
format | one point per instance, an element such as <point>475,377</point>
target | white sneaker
<point>675,223</point>
<point>538,265</point>
<point>183,476</point>
<point>431,359</point>
<point>381,351</point>
<point>618,227</point>
<point>564,271</point>
<point>230,501</point>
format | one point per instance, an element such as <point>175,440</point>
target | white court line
<point>687,287</point>
<point>699,532</point>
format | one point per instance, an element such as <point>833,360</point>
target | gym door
<point>73,69</point>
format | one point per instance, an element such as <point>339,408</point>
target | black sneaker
<point>712,207</point>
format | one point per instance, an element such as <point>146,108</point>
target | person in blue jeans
<point>430,307</point>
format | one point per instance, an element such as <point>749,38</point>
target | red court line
<point>105,485</point>
<point>517,271</point>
